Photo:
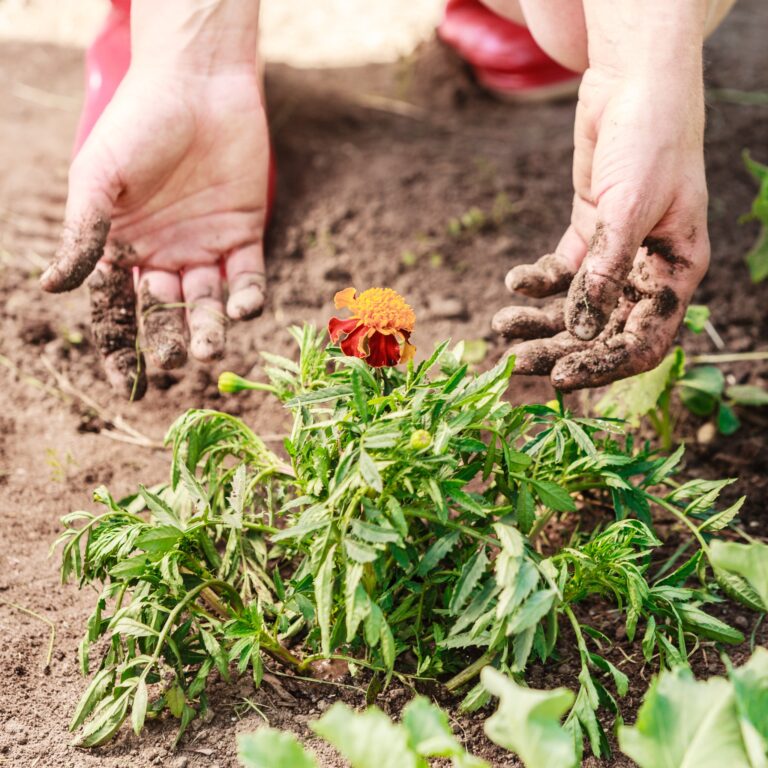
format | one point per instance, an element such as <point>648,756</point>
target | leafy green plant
<point>757,258</point>
<point>685,722</point>
<point>701,389</point>
<point>366,739</point>
<point>682,722</point>
<point>403,531</point>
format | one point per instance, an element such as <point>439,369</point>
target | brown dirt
<point>366,189</point>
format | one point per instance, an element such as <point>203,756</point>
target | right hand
<point>172,180</point>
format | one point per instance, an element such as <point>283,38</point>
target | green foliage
<point>702,390</point>
<point>270,748</point>
<point>684,722</point>
<point>696,317</point>
<point>745,568</point>
<point>757,258</point>
<point>527,722</point>
<point>403,534</point>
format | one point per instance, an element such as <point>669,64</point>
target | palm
<point>178,164</point>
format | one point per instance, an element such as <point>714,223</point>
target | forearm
<point>199,35</point>
<point>664,37</point>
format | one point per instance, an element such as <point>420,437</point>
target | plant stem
<point>734,357</point>
<point>471,672</point>
<point>682,518</point>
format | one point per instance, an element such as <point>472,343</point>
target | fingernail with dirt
<point>80,248</point>
<point>164,331</point>
<point>113,321</point>
<point>247,302</point>
<point>547,276</point>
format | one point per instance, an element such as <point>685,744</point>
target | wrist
<point>196,36</point>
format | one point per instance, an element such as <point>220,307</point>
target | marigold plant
<point>401,529</point>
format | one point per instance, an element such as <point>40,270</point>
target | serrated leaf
<point>750,561</point>
<point>324,598</point>
<point>553,496</point>
<point>369,472</point>
<point>469,578</point>
<point>527,722</point>
<point>270,748</point>
<point>139,708</point>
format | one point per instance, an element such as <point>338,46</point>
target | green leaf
<point>470,576</point>
<point>683,723</point>
<point>139,710</point>
<point>159,539</point>
<point>747,395</point>
<point>727,420</point>
<point>708,379</point>
<point>750,561</point>
<point>367,740</point>
<point>430,734</point>
<point>437,551</point>
<point>750,686</point>
<point>553,496</point>
<point>722,519</point>
<point>369,472</point>
<point>527,722</point>
<point>270,748</point>
<point>324,598</point>
<point>631,399</point>
<point>696,317</point>
<point>161,511</point>
<point>757,258</point>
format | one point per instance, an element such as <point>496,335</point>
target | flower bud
<point>420,440</point>
<point>231,382</point>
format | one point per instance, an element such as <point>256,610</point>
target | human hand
<point>172,180</point>
<point>637,246</point>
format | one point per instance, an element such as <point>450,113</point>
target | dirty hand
<point>172,180</point>
<point>637,245</point>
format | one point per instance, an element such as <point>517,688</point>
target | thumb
<point>600,281</point>
<point>93,188</point>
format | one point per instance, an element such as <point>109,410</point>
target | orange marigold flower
<point>378,330</point>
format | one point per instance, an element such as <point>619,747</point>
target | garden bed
<point>366,193</point>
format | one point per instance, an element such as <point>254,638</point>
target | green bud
<point>231,382</point>
<point>420,440</point>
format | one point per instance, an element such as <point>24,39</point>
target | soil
<point>373,163</point>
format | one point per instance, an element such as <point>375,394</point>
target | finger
<point>246,281</point>
<point>202,291</point>
<point>530,322</point>
<point>93,189</point>
<point>162,317</point>
<point>647,334</point>
<point>113,320</point>
<point>538,357</point>
<point>597,286</point>
<point>549,275</point>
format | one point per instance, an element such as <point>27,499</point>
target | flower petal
<point>354,345</point>
<point>408,352</point>
<point>337,326</point>
<point>345,299</point>
<point>384,350</point>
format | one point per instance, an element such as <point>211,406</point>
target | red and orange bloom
<point>379,329</point>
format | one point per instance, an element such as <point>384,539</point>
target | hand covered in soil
<point>637,246</point>
<point>172,180</point>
